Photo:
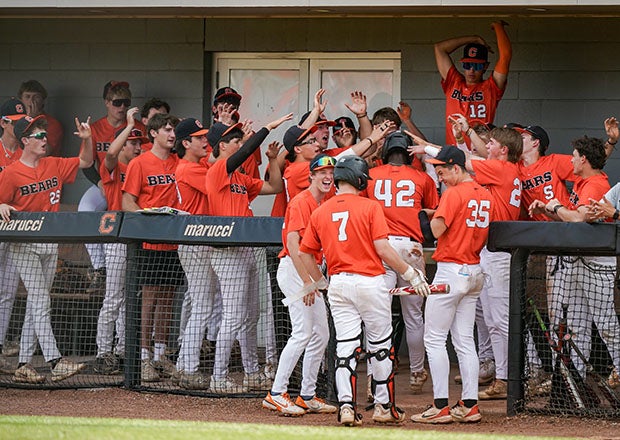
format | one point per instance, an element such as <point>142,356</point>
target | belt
<point>402,238</point>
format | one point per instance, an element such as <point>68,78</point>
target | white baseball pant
<point>113,307</point>
<point>586,285</point>
<point>94,200</point>
<point>485,350</point>
<point>9,282</point>
<point>235,268</point>
<point>495,297</point>
<point>36,264</point>
<point>454,312</point>
<point>354,299</point>
<point>309,335</point>
<point>266,307</point>
<point>202,291</point>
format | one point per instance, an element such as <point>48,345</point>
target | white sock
<point>160,351</point>
<point>145,354</point>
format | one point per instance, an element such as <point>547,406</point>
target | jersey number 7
<point>343,218</point>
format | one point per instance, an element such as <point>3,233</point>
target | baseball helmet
<point>352,169</point>
<point>396,141</point>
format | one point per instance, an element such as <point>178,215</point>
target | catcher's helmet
<point>396,141</point>
<point>352,169</point>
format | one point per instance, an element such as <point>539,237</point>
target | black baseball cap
<point>343,122</point>
<point>189,127</point>
<point>322,161</point>
<point>227,92</point>
<point>475,53</point>
<point>24,124</point>
<point>113,85</point>
<point>295,134</point>
<point>448,155</point>
<point>13,109</point>
<point>219,130</point>
<point>537,133</point>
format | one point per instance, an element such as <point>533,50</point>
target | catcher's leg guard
<point>382,360</point>
<point>345,370</point>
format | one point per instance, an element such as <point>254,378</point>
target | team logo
<point>108,220</point>
<point>20,109</point>
<point>228,91</point>
<point>198,123</point>
<point>473,52</point>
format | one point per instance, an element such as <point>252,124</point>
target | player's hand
<point>416,278</point>
<point>611,129</point>
<point>319,104</point>
<point>273,150</point>
<point>225,112</point>
<point>536,207</point>
<point>404,111</point>
<point>600,209</point>
<point>460,121</point>
<point>381,131</point>
<point>5,211</point>
<point>35,107</point>
<point>358,104</point>
<point>82,128</point>
<point>131,119</point>
<point>275,124</point>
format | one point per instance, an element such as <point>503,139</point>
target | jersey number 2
<point>343,218</point>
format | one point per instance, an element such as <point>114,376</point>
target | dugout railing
<point>564,336</point>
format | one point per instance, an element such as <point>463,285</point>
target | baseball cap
<point>343,122</point>
<point>135,133</point>
<point>320,121</point>
<point>475,53</point>
<point>225,92</point>
<point>448,155</point>
<point>189,127</point>
<point>219,130</point>
<point>537,133</point>
<point>113,84</point>
<point>13,109</point>
<point>23,125</point>
<point>294,134</point>
<point>322,161</point>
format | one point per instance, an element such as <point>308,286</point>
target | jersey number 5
<point>343,218</point>
<point>479,217</point>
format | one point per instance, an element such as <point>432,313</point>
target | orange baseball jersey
<point>7,158</point>
<point>192,186</point>
<point>402,192</point>
<point>54,135</point>
<point>112,185</point>
<point>230,194</point>
<point>297,217</point>
<point>466,209</point>
<point>545,180</point>
<point>476,102</point>
<point>593,187</point>
<point>37,189</point>
<point>103,135</point>
<point>502,180</point>
<point>345,227</point>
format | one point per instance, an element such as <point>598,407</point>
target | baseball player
<point>470,94</point>
<point>499,173</point>
<point>36,262</point>
<point>125,147</point>
<point>349,225</point>
<point>150,182</point>
<point>229,193</point>
<point>10,111</point>
<point>585,284</point>
<point>202,289</point>
<point>403,192</point>
<point>461,226</point>
<point>310,331</point>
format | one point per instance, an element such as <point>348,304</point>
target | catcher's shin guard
<point>349,363</point>
<point>385,355</point>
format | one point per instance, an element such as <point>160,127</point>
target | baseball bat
<point>409,290</point>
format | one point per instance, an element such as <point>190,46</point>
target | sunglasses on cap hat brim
<point>322,163</point>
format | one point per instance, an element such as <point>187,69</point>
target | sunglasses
<point>308,141</point>
<point>121,102</point>
<point>476,66</point>
<point>40,135</point>
<point>324,161</point>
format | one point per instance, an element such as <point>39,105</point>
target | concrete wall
<point>564,75</point>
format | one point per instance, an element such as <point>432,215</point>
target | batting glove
<point>416,278</point>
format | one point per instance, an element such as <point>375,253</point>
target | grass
<point>68,428</point>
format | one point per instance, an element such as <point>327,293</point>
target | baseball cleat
<point>498,390</point>
<point>460,413</point>
<point>315,405</point>
<point>282,403</point>
<point>256,382</point>
<point>66,368</point>
<point>27,374</point>
<point>417,381</point>
<point>348,417</point>
<point>434,416</point>
<point>383,414</point>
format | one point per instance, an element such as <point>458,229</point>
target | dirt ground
<point>117,402</point>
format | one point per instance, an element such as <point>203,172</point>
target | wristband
<point>431,151</point>
<point>616,214</point>
<point>468,132</point>
<point>556,208</point>
<point>612,143</point>
<point>363,115</point>
<point>371,142</point>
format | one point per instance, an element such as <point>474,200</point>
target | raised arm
<point>275,184</point>
<point>404,112</point>
<point>444,48</point>
<point>111,156</point>
<point>359,107</point>
<point>86,149</point>
<point>500,73</point>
